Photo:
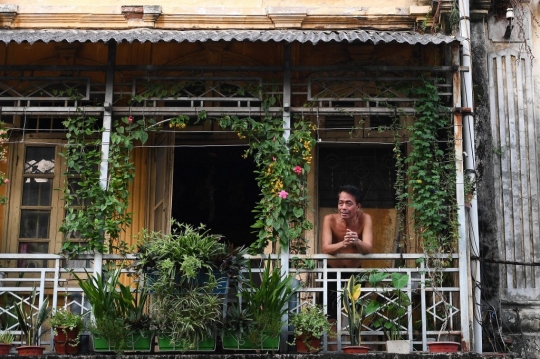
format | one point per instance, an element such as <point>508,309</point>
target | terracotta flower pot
<point>356,349</point>
<point>302,347</point>
<point>30,350</point>
<point>65,341</point>
<point>5,348</point>
<point>443,347</point>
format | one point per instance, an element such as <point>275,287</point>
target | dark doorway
<point>216,186</point>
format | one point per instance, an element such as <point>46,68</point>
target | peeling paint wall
<point>507,139</point>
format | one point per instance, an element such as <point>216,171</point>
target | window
<point>34,210</point>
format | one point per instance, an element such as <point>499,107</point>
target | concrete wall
<point>507,218</point>
<point>212,14</point>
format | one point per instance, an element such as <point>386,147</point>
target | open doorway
<point>216,186</point>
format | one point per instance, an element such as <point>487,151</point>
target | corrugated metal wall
<point>515,157</point>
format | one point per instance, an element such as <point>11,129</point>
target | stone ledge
<point>247,355</point>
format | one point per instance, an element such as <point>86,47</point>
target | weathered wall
<point>508,213</point>
<point>211,14</point>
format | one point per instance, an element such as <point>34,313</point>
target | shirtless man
<point>349,231</point>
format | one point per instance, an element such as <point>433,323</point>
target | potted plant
<point>262,301</point>
<point>354,305</point>
<point>393,309</point>
<point>188,272</point>
<point>6,340</point>
<point>30,323</point>
<point>66,327</point>
<point>120,322</point>
<point>309,325</point>
<point>428,187</point>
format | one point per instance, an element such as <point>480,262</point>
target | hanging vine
<point>426,178</point>
<point>95,215</point>
<point>4,137</point>
<point>281,172</point>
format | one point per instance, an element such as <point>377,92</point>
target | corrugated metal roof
<point>156,35</point>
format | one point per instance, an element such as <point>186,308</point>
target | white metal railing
<point>426,314</point>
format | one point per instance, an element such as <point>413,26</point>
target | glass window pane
<point>39,160</point>
<point>34,224</point>
<point>37,192</point>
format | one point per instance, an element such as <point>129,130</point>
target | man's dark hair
<point>353,191</point>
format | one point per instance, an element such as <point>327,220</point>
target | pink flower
<point>283,194</point>
<point>6,181</point>
<point>274,159</point>
<point>130,119</point>
<point>298,170</point>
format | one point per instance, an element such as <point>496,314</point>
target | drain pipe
<point>469,158</point>
<point>106,135</point>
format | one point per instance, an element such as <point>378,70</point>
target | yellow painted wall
<point>211,14</point>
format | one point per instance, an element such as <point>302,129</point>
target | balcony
<point>431,309</point>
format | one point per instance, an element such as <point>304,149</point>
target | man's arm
<point>327,247</point>
<point>365,246</point>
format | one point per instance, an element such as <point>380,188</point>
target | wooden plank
<point>534,154</point>
<point>497,183</point>
<point>507,227</point>
<point>514,169</point>
<point>524,173</point>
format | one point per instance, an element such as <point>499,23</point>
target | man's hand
<point>350,238</point>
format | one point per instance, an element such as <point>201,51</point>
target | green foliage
<point>393,310</point>
<point>189,316</point>
<point>428,184</point>
<point>63,317</point>
<point>282,168</point>
<point>265,300</point>
<point>354,304</point>
<point>64,320</point>
<point>6,337</point>
<point>310,322</point>
<point>30,319</point>
<point>180,255</point>
<point>96,211</point>
<point>118,310</point>
<point>181,271</point>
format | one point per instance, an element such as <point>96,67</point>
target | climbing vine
<point>95,214</point>
<point>427,177</point>
<point>282,168</point>
<point>4,136</point>
<point>281,172</point>
<point>282,164</point>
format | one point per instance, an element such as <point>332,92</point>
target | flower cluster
<point>179,122</point>
<point>282,168</point>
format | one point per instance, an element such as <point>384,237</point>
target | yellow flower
<point>357,291</point>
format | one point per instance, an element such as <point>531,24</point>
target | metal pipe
<point>470,171</point>
<point>106,135</point>
<point>284,250</point>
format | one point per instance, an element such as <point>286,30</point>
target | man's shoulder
<point>331,217</point>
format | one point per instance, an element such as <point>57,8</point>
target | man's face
<point>347,205</point>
